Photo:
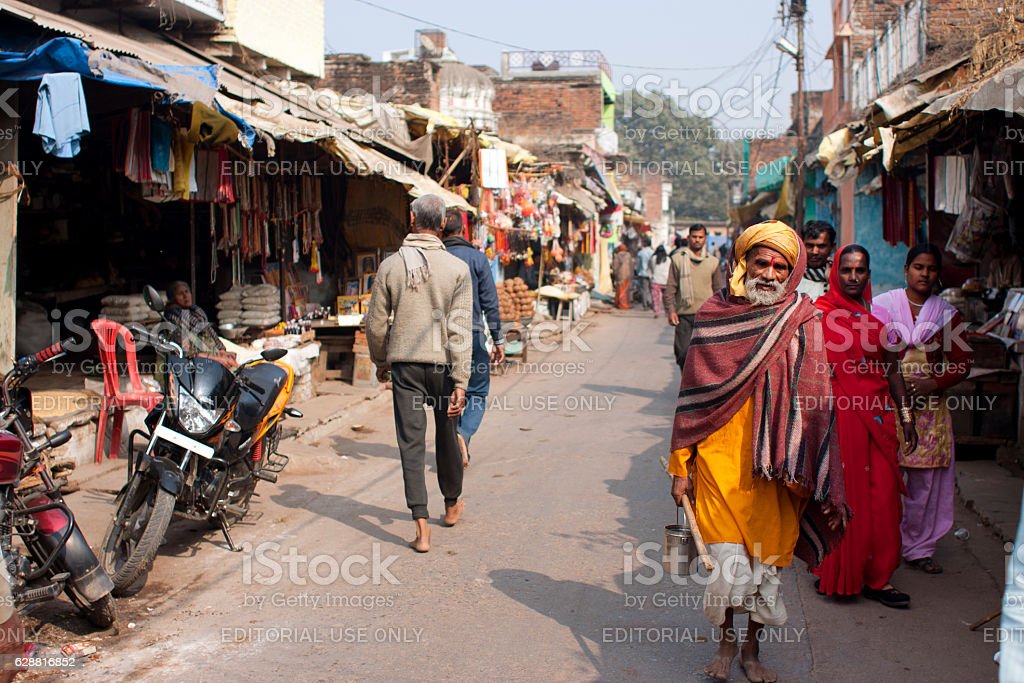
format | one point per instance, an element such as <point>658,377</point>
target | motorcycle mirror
<point>153,299</point>
<point>273,354</point>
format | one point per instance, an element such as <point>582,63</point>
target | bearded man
<point>754,440</point>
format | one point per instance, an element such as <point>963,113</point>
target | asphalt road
<point>540,581</point>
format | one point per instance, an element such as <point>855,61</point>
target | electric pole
<point>797,10</point>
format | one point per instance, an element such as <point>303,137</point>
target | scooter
<point>58,557</point>
<point>212,438</point>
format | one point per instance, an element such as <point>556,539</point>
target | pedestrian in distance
<point>643,273</point>
<point>934,356</point>
<point>419,328</point>
<point>819,240</point>
<point>693,277</point>
<point>486,317</point>
<point>865,375</point>
<point>753,441</point>
<point>622,275</point>
<point>659,278</point>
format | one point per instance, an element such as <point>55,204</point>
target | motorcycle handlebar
<point>52,351</point>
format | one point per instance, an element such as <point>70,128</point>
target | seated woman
<point>193,330</point>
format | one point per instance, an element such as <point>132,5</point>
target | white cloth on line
<point>62,118</point>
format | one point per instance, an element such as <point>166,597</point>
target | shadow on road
<point>580,607</point>
<point>367,519</point>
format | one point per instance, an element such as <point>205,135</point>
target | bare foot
<point>755,671</point>
<point>421,544</point>
<point>452,513</point>
<point>721,666</point>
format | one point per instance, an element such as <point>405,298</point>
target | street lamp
<point>789,48</point>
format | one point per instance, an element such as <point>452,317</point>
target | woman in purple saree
<point>934,356</point>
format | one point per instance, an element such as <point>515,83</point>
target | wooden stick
<point>984,620</point>
<point>702,549</point>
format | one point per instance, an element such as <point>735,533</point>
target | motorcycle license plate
<point>179,439</point>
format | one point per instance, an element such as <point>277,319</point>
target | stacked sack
<point>250,306</point>
<point>515,300</point>
<point>128,308</point>
<point>229,307</point>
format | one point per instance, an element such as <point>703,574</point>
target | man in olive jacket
<point>419,327</point>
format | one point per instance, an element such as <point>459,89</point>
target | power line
<point>502,43</point>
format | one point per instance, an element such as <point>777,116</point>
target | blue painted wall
<point>886,260</point>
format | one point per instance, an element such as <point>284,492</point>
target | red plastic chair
<point>108,335</point>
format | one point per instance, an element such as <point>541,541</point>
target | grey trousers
<point>417,388</point>
<point>684,330</point>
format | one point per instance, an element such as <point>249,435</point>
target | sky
<point>714,57</point>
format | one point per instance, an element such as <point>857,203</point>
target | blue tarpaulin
<point>63,55</point>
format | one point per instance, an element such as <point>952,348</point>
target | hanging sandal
<point>926,564</point>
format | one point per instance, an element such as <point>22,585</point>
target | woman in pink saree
<point>934,357</point>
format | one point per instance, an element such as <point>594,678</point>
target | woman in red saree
<point>864,377</point>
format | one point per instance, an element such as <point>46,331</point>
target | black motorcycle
<point>58,557</point>
<point>209,442</point>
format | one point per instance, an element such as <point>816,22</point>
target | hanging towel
<point>62,118</point>
<point>184,159</point>
<point>160,142</point>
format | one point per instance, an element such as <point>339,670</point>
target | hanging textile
<point>902,209</point>
<point>138,167</point>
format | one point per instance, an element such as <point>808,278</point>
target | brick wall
<point>400,82</point>
<point>541,111</point>
<point>960,22</point>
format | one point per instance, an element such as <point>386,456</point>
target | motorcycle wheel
<point>102,613</point>
<point>136,533</point>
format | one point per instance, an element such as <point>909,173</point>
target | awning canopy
<point>71,55</point>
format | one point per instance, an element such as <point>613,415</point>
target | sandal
<point>926,564</point>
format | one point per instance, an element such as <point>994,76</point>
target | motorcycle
<point>212,438</point>
<point>58,557</point>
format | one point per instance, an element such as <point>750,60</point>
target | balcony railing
<point>900,47</point>
<point>553,61</point>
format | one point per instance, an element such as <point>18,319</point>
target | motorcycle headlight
<point>195,417</point>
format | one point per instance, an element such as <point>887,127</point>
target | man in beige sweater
<point>693,277</point>
<point>419,327</point>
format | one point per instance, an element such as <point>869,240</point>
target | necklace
<point>913,304</point>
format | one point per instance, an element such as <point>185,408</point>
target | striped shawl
<point>775,354</point>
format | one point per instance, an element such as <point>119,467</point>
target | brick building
<point>548,101</point>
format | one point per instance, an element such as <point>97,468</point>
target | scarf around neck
<point>689,258</point>
<point>417,268</point>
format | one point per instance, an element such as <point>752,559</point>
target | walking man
<point>693,277</point>
<point>643,273</point>
<point>819,241</point>
<point>427,295</point>
<point>754,439</point>
<point>485,304</point>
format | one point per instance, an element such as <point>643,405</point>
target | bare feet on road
<point>755,671</point>
<point>421,544</point>
<point>721,666</point>
<point>452,513</point>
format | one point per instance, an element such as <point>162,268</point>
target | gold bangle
<point>906,414</point>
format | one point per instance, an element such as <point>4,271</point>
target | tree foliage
<point>688,150</point>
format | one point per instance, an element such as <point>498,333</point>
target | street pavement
<point>552,575</point>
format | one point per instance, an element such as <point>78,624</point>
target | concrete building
<point>429,75</point>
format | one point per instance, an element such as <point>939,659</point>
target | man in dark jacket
<point>485,303</point>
